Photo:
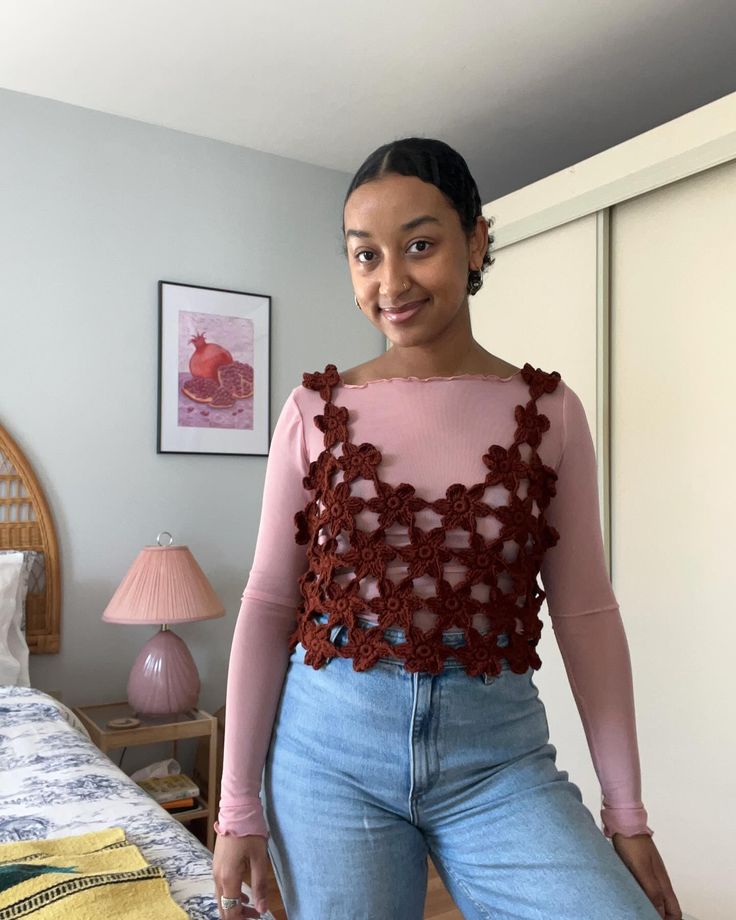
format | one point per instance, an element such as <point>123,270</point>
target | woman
<point>396,715</point>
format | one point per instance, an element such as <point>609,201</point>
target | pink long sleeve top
<point>431,433</point>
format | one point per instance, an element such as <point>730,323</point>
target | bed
<point>54,782</point>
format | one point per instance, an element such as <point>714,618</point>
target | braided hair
<point>431,161</point>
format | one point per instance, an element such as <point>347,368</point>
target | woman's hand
<point>642,859</point>
<point>233,856</point>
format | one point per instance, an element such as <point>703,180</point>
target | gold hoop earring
<point>356,302</point>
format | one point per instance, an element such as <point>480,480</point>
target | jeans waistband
<point>395,636</point>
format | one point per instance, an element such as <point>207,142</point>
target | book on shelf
<point>170,788</point>
<point>178,805</point>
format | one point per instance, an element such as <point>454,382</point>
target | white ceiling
<point>521,87</point>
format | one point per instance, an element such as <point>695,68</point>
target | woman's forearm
<point>258,661</point>
<point>596,656</point>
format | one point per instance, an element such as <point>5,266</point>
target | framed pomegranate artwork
<point>214,370</point>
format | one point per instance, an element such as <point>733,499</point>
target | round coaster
<point>123,723</point>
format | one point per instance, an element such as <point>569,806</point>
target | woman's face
<point>406,246</point>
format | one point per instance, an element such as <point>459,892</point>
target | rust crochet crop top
<point>506,564</point>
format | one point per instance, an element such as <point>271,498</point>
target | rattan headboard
<point>26,524</point>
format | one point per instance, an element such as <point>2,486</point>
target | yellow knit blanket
<point>86,876</point>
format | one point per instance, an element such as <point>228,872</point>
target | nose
<point>393,282</point>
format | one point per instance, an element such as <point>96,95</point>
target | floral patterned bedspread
<point>55,782</point>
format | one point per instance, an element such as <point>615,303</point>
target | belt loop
<point>335,633</point>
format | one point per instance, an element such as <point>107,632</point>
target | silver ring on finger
<point>229,903</point>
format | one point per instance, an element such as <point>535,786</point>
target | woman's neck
<point>420,362</point>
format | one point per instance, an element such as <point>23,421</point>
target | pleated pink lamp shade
<point>164,585</point>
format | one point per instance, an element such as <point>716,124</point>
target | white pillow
<point>34,575</point>
<point>13,648</point>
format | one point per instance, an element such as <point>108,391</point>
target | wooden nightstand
<point>153,730</point>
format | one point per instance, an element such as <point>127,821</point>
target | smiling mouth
<point>403,314</point>
<point>403,309</point>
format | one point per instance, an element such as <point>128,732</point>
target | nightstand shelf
<point>154,730</point>
<point>200,810</point>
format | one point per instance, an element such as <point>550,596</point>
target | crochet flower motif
<point>422,653</point>
<point>333,423</point>
<point>320,472</point>
<point>515,518</point>
<point>532,626</point>
<point>316,641</point>
<point>520,653</point>
<point>542,536</point>
<point>366,646</point>
<point>499,611</point>
<point>462,506</point>
<point>395,604</point>
<point>368,553</point>
<point>426,553</point>
<point>342,602</point>
<point>305,522</point>
<point>453,605</point>
<point>540,381</point>
<point>323,557</point>
<point>324,381</point>
<point>542,482</point>
<point>531,424</point>
<point>483,561</point>
<point>311,480</point>
<point>506,467</point>
<point>395,506</point>
<point>311,591</point>
<point>480,654</point>
<point>340,508</point>
<point>359,461</point>
<point>550,536</point>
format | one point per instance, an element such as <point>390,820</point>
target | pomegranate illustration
<point>200,389</point>
<point>237,379</point>
<point>207,357</point>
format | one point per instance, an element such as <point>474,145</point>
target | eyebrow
<point>409,225</point>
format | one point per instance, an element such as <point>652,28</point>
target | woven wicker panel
<point>26,524</point>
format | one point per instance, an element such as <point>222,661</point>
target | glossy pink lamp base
<point>164,678</point>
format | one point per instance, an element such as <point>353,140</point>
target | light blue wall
<point>94,210</point>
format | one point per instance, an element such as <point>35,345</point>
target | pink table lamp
<point>164,585</point>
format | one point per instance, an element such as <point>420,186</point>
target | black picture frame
<point>214,371</point>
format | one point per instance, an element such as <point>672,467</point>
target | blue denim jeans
<point>369,773</point>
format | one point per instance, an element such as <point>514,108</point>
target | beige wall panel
<point>673,511</point>
<point>537,304</point>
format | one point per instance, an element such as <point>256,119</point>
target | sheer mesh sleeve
<point>589,631</point>
<point>259,655</point>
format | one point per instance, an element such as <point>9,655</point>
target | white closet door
<point>673,509</point>
<point>538,304</point>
